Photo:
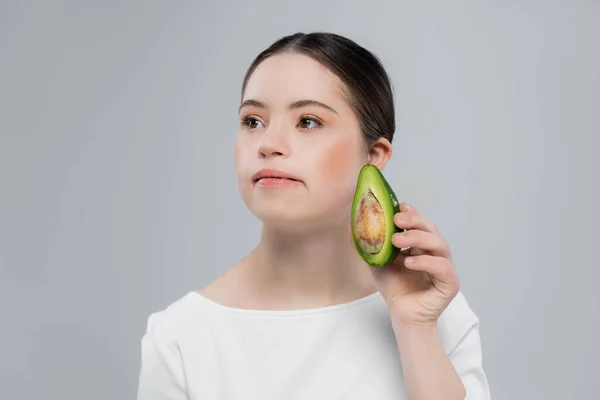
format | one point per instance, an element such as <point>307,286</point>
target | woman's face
<point>294,119</point>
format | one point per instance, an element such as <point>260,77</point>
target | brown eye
<point>251,123</point>
<point>309,123</point>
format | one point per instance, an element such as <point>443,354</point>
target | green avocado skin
<point>371,179</point>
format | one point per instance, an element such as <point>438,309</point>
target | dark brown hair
<point>369,90</point>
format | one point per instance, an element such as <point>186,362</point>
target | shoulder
<point>163,348</point>
<point>168,329</point>
<point>174,319</point>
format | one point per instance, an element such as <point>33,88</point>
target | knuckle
<point>441,264</point>
<point>455,288</point>
<point>443,243</point>
<point>448,264</point>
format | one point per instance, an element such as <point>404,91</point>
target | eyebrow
<point>291,106</point>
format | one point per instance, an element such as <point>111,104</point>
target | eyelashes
<point>306,123</point>
<point>250,122</point>
<point>308,120</point>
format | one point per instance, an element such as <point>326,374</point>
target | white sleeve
<point>161,374</point>
<point>466,354</point>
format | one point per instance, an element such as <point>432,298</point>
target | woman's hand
<point>422,281</point>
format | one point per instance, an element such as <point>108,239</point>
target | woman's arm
<point>443,360</point>
<point>428,372</point>
<point>436,330</point>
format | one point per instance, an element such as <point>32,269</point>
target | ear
<point>380,152</point>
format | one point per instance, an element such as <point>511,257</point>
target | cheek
<point>335,163</point>
<point>240,154</point>
<point>242,165</point>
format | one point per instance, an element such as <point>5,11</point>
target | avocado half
<point>373,209</point>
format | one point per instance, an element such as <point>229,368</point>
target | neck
<point>309,270</point>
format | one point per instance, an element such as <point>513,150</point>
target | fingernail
<point>409,260</point>
<point>408,206</point>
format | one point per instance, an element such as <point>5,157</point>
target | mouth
<point>271,175</point>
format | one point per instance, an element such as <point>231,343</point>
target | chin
<point>287,218</point>
<point>297,213</point>
<point>279,215</point>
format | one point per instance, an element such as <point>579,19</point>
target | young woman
<point>303,316</point>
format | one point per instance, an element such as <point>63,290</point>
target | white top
<point>197,349</point>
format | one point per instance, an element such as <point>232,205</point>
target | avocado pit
<point>369,224</point>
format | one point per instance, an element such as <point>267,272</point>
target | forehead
<point>288,77</point>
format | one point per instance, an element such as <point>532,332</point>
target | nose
<point>273,143</point>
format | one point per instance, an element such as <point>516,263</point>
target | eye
<point>251,122</point>
<point>309,123</point>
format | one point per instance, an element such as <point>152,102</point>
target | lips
<point>273,174</point>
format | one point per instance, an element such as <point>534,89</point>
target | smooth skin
<point>294,117</point>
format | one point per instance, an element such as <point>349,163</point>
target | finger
<point>441,269</point>
<point>433,243</point>
<point>410,218</point>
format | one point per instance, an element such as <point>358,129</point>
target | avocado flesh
<point>373,209</point>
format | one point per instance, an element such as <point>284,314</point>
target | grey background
<point>118,195</point>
